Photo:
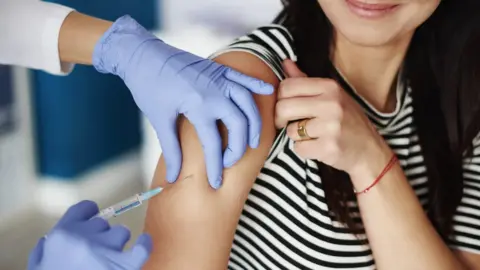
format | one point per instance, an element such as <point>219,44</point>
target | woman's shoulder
<point>270,43</point>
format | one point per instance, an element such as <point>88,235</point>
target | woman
<point>375,82</point>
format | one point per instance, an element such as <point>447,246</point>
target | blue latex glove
<point>166,82</point>
<point>79,242</point>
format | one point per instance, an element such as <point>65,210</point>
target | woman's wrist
<point>373,163</point>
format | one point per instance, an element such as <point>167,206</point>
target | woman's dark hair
<point>442,67</point>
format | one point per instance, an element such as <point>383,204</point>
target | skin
<point>78,35</point>
<point>192,226</point>
<point>380,45</point>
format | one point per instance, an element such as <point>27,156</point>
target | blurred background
<point>66,139</point>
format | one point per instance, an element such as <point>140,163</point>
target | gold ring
<point>302,130</point>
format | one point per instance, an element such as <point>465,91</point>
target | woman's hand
<point>338,133</point>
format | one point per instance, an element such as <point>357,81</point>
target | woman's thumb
<point>292,70</point>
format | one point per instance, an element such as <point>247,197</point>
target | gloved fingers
<point>36,254</point>
<point>145,241</point>
<point>255,85</point>
<point>237,126</point>
<point>167,134</point>
<point>93,226</point>
<point>247,105</point>
<point>141,251</point>
<point>116,238</point>
<point>83,210</point>
<point>64,250</point>
<point>212,149</point>
<point>132,259</point>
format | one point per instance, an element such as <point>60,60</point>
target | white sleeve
<point>29,33</point>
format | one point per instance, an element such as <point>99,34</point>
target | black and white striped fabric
<point>285,222</point>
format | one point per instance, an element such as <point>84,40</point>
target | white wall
<point>179,14</point>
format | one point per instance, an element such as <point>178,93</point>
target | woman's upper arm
<point>193,225</point>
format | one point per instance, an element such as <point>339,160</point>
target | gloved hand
<point>79,242</point>
<point>166,82</point>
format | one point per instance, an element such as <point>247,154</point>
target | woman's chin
<point>369,37</point>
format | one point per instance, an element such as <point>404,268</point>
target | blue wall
<point>144,11</point>
<point>87,118</point>
<point>6,100</point>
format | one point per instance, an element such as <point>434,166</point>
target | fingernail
<point>139,251</point>
<point>269,87</point>
<point>170,180</point>
<point>227,160</point>
<point>218,183</point>
<point>255,141</point>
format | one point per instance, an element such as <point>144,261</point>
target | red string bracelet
<point>387,168</point>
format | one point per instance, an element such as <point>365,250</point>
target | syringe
<point>128,204</point>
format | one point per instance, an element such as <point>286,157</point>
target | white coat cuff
<point>50,39</point>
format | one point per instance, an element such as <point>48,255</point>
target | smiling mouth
<point>369,10</point>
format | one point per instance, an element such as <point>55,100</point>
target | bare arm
<point>78,36</point>
<point>191,224</point>
<point>469,260</point>
<point>399,232</point>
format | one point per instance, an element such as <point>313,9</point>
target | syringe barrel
<point>121,207</point>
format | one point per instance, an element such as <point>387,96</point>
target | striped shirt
<point>285,222</point>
